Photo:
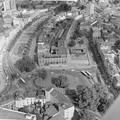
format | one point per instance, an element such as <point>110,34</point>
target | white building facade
<point>28,101</point>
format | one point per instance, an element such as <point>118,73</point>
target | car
<point>72,70</point>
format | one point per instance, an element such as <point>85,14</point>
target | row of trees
<point>12,43</point>
<point>95,98</point>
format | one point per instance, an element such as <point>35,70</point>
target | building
<point>66,108</point>
<point>6,5</point>
<point>9,5</point>
<point>116,81</point>
<point>30,99</point>
<point>104,1</point>
<point>83,1</point>
<point>8,21</point>
<point>7,114</point>
<point>17,21</point>
<point>90,8</point>
<point>13,4</point>
<point>96,32</point>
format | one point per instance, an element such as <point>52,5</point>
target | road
<point>3,45</point>
<point>7,69</point>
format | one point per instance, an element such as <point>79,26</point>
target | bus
<point>22,80</point>
<point>84,73</point>
<point>89,74</point>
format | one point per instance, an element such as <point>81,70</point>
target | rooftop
<point>62,51</point>
<point>11,114</point>
<point>51,110</point>
<point>63,100</point>
<point>79,56</point>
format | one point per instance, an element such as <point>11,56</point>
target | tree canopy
<point>41,73</point>
<point>71,43</point>
<point>61,81</point>
<point>25,64</point>
<point>100,89</point>
<point>117,44</point>
<point>90,98</point>
<point>62,8</point>
<point>87,97</point>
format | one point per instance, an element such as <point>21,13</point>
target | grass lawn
<point>73,81</point>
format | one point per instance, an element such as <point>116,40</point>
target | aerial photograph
<point>59,59</point>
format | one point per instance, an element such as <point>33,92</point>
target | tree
<point>14,76</point>
<point>71,43</point>
<point>25,64</point>
<point>16,94</point>
<point>39,91</point>
<point>100,89</point>
<point>104,104</point>
<point>85,114</point>
<point>117,44</point>
<point>87,97</point>
<point>82,7</point>
<point>73,96</point>
<point>62,8</point>
<point>54,80</point>
<point>102,94</point>
<point>42,73</point>
<point>61,81</point>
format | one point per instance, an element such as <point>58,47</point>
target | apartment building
<point>66,108</point>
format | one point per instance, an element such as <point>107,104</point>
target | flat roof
<point>79,56</point>
<point>11,114</point>
<point>62,50</point>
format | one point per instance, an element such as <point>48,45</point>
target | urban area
<point>59,59</point>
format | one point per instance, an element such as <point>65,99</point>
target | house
<point>65,107</point>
